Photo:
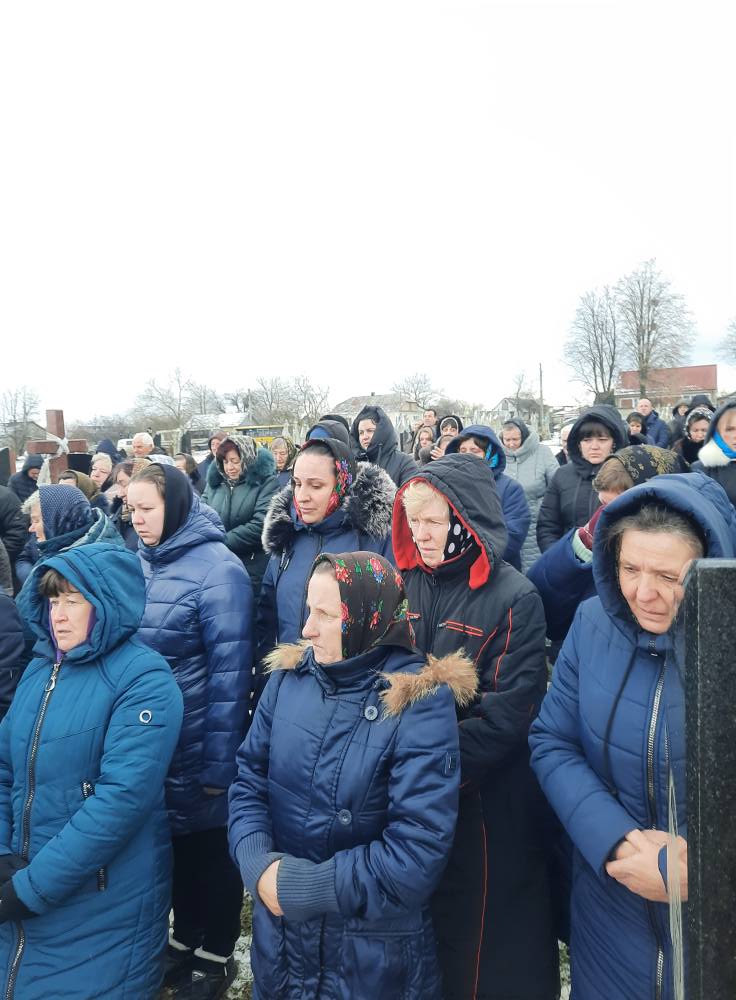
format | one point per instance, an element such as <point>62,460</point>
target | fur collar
<point>711,456</point>
<point>455,670</point>
<point>256,473</point>
<point>367,509</point>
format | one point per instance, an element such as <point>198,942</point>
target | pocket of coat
<point>385,955</point>
<point>268,954</point>
<point>76,797</point>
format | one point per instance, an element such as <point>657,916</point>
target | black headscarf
<point>178,497</point>
<point>644,462</point>
<point>375,609</point>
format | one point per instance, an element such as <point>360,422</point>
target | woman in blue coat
<point>331,506</point>
<point>479,440</point>
<point>344,808</point>
<point>198,616</point>
<point>610,739</point>
<point>85,856</point>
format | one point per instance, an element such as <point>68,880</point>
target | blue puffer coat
<point>98,840</point>
<point>598,749</point>
<point>366,788</point>
<point>199,607</point>
<point>514,505</point>
<point>362,523</point>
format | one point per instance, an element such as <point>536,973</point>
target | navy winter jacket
<point>84,751</point>
<point>610,727</point>
<point>199,617</point>
<point>656,429</point>
<point>563,582</point>
<point>362,523</point>
<point>11,650</point>
<point>21,483</point>
<point>352,770</point>
<point>514,505</point>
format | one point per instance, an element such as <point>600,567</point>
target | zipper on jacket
<point>652,801</point>
<point>26,823</point>
<point>89,789</point>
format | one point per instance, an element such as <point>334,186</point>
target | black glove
<point>9,865</point>
<point>11,908</point>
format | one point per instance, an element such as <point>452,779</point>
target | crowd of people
<point>425,706</point>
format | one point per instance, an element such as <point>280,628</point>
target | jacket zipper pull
<point>51,683</point>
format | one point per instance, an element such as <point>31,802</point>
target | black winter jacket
<point>570,500</point>
<point>481,604</point>
<point>11,651</point>
<point>383,450</point>
<point>13,530</point>
<point>21,483</point>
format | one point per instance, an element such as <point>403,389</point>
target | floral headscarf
<point>345,471</point>
<point>375,609</point>
<point>644,461</point>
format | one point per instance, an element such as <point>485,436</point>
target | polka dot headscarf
<point>459,538</point>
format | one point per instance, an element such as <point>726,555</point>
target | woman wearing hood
<point>198,616</point>
<point>24,483</point>
<point>717,457</point>
<point>332,505</point>
<point>240,484</point>
<point>84,750</point>
<point>532,465</point>
<point>90,489</point>
<point>492,911</point>
<point>343,811</point>
<point>689,446</point>
<point>481,442</point>
<point>374,440</point>
<point>284,452</point>
<point>608,746</point>
<point>570,499</point>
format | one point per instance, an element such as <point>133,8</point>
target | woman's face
<point>181,463</point>
<point>323,627</point>
<point>429,526</point>
<point>36,525</point>
<point>366,430</point>
<point>280,454</point>
<point>651,567</point>
<point>147,510</point>
<point>122,479</point>
<point>99,473</point>
<point>634,427</point>
<point>70,616</point>
<point>511,438</point>
<point>470,447</point>
<point>232,464</point>
<point>426,437</point>
<point>727,428</point>
<point>698,429</point>
<point>597,448</point>
<point>314,481</point>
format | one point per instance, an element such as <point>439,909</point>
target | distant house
<point>14,435</point>
<point>402,413</point>
<point>666,386</point>
<point>524,408</point>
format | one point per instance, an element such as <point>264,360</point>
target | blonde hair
<point>34,500</point>
<point>102,459</point>
<point>417,495</point>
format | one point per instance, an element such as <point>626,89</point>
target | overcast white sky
<point>350,190</point>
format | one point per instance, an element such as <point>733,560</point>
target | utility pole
<point>542,422</point>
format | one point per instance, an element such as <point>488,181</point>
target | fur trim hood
<point>403,689</point>
<point>367,509</point>
<point>710,456</point>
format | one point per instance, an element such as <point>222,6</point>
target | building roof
<point>386,400</point>
<point>691,378</point>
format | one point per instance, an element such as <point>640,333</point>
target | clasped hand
<point>636,864</point>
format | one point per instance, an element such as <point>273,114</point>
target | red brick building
<point>666,386</point>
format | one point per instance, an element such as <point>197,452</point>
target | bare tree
<point>655,325</point>
<point>18,407</point>
<point>271,400</point>
<point>310,401</point>
<point>594,344</point>
<point>240,398</point>
<point>169,403</point>
<point>727,346</point>
<point>204,399</point>
<point>417,389</point>
<point>522,389</point>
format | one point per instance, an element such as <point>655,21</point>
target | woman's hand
<point>267,889</point>
<point>637,864</point>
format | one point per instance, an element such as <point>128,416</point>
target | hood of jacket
<point>328,427</point>
<point>701,401</point>
<point>447,416</point>
<point>481,430</point>
<point>385,440</point>
<point>527,447</point>
<point>32,462</point>
<point>469,487</point>
<point>110,578</point>
<point>602,414</point>
<point>255,470</point>
<point>711,454</point>
<point>367,509</point>
<point>202,525</point>
<point>697,496</point>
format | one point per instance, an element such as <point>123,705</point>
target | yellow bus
<point>262,433</point>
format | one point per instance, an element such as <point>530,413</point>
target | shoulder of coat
<point>456,670</point>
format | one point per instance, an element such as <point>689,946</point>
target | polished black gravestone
<point>7,465</point>
<point>710,667</point>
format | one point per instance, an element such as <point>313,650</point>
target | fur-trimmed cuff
<point>254,854</point>
<point>306,889</point>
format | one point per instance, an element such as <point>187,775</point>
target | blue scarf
<point>728,452</point>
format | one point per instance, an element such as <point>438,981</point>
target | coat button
<point>371,713</point>
<point>345,817</point>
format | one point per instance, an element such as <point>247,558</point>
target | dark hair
<point>316,448</point>
<point>635,418</point>
<point>594,428</point>
<point>126,467</point>
<point>696,415</point>
<point>52,584</point>
<point>657,517</point>
<point>189,464</point>
<point>430,409</point>
<point>153,474</point>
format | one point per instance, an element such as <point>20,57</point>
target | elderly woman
<point>532,465</point>
<point>84,750</point>
<point>284,452</point>
<point>609,740</point>
<point>88,486</point>
<point>344,807</point>
<point>240,484</point>
<point>101,473</point>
